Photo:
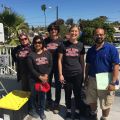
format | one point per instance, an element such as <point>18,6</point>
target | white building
<point>117,33</point>
<point>2,38</point>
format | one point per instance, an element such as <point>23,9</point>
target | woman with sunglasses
<point>19,55</point>
<point>39,64</point>
<point>52,43</point>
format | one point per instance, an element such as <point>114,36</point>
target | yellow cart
<point>14,103</point>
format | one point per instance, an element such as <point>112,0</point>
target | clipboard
<point>103,80</point>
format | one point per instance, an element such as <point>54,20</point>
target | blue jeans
<point>34,103</point>
<point>57,86</point>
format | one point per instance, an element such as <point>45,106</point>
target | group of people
<point>39,61</point>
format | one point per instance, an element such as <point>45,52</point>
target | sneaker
<point>68,116</point>
<point>56,109</point>
<point>43,116</point>
<point>33,114</point>
<point>77,116</point>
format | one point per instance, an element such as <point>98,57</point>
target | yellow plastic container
<point>14,100</point>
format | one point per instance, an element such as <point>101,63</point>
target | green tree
<point>116,23</point>
<point>12,24</point>
<point>69,21</point>
<point>43,8</point>
<point>88,27</point>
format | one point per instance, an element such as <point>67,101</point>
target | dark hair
<point>36,38</point>
<point>53,26</point>
<point>98,28</point>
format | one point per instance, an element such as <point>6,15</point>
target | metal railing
<point>11,67</point>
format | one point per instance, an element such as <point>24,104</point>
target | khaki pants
<point>105,97</point>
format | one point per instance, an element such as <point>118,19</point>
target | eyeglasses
<point>99,35</point>
<point>52,29</point>
<point>22,39</point>
<point>39,42</point>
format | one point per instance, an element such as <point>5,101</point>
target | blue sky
<point>76,9</point>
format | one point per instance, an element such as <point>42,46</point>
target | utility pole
<point>56,12</point>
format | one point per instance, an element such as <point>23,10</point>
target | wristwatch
<point>113,83</point>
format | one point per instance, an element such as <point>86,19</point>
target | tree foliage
<point>69,21</point>
<point>88,27</point>
<point>43,8</point>
<point>12,24</point>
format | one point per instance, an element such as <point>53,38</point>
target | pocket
<point>110,99</point>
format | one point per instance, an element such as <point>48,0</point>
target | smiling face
<point>74,33</point>
<point>53,30</point>
<point>99,36</point>
<point>24,40</point>
<point>38,45</point>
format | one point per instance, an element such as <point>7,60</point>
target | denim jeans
<point>57,86</point>
<point>34,103</point>
<point>41,102</point>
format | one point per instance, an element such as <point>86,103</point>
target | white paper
<point>103,80</point>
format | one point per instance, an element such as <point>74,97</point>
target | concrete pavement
<point>114,114</point>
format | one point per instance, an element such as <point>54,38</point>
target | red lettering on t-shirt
<point>72,52</point>
<point>41,61</point>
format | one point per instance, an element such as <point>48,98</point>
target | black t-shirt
<point>52,46</point>
<point>71,65</point>
<point>19,55</point>
<point>39,64</point>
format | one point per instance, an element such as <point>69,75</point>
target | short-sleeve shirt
<point>71,65</point>
<point>102,60</point>
<point>39,64</point>
<point>52,46</point>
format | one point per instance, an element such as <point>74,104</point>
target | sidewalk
<point>114,114</point>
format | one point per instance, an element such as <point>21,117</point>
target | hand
<point>43,78</point>
<point>61,78</point>
<point>111,87</point>
<point>45,49</point>
<point>85,83</point>
<point>46,75</point>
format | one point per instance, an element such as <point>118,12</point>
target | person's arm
<point>86,74</point>
<point>50,63</point>
<point>115,60</point>
<point>14,54</point>
<point>115,74</point>
<point>34,72</point>
<point>61,77</point>
<point>31,68</point>
<point>82,63</point>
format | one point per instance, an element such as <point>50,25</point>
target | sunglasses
<point>39,42</point>
<point>23,39</point>
<point>52,29</point>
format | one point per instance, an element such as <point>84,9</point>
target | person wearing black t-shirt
<point>71,69</point>
<point>19,56</point>
<point>52,43</point>
<point>39,63</point>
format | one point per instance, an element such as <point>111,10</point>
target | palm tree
<point>43,8</point>
<point>12,24</point>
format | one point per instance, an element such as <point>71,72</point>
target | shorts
<point>105,97</point>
